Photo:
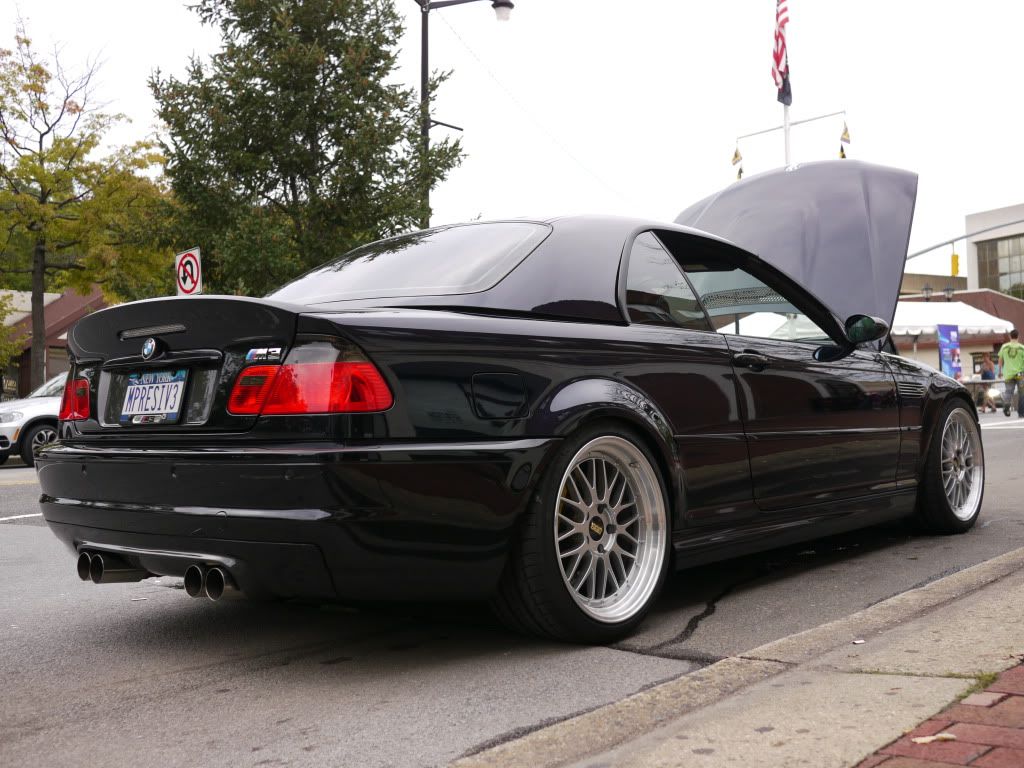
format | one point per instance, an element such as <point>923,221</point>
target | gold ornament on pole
<point>737,159</point>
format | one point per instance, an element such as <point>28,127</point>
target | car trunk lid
<point>169,364</point>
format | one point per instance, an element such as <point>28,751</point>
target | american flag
<point>780,59</point>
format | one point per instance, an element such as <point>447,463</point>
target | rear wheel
<point>34,440</point>
<point>954,477</point>
<point>593,551</point>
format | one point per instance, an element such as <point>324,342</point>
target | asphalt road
<point>141,673</point>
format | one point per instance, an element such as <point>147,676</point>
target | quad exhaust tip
<point>107,569</point>
<point>83,566</point>
<point>195,580</point>
<point>213,582</point>
<point>101,568</point>
<point>216,582</point>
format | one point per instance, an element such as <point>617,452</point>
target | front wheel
<point>954,475</point>
<point>593,552</point>
<point>34,440</point>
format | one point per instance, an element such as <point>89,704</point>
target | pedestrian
<point>988,373</point>
<point>1011,362</point>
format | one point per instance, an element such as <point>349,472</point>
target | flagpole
<point>785,130</point>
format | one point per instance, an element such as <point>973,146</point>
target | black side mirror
<point>861,329</point>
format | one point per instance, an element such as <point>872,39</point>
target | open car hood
<point>839,228</point>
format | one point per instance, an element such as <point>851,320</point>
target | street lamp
<point>927,292</point>
<point>502,11</point>
<point>948,292</point>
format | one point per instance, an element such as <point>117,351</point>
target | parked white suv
<point>30,423</point>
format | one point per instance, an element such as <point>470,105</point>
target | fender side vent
<point>910,389</point>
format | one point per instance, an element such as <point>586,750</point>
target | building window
<point>1001,265</point>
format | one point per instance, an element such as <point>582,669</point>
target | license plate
<point>153,397</point>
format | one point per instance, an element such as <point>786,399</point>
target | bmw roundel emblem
<point>148,348</point>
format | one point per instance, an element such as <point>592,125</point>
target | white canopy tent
<point>913,318</point>
<point>920,318</point>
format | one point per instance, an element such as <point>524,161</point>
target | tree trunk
<point>38,368</point>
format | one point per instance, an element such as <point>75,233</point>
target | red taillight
<point>251,388</point>
<point>74,405</point>
<point>310,387</point>
<point>328,388</point>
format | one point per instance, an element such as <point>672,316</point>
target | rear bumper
<point>368,522</point>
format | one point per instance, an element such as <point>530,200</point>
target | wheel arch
<point>930,421</point>
<point>33,422</point>
<point>586,401</point>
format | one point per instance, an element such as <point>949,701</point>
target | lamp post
<point>948,292</point>
<point>927,292</point>
<point>502,11</point>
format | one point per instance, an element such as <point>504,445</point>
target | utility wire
<point>539,123</point>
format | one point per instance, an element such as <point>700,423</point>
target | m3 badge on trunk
<point>263,355</point>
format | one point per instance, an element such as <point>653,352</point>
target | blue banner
<point>949,350</point>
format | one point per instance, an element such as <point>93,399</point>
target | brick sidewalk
<point>988,726</point>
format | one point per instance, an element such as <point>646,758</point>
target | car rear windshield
<point>463,258</point>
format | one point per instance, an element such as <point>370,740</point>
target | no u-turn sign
<point>188,272</point>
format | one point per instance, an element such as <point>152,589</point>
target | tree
<point>294,144</point>
<point>9,346</point>
<point>67,215</point>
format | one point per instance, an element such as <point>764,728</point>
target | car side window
<point>657,293</point>
<point>739,303</point>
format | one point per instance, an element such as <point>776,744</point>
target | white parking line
<point>20,517</point>
<point>1018,424</point>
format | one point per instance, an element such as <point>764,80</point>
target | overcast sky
<point>633,106</point>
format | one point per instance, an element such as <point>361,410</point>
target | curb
<point>612,724</point>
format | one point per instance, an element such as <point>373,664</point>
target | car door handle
<point>751,360</point>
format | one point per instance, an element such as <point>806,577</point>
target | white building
<point>995,259</point>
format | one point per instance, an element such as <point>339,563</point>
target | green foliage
<point>70,215</point>
<point>294,144</point>
<point>9,347</point>
<point>79,216</point>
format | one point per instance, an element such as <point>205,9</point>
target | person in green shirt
<point>1011,363</point>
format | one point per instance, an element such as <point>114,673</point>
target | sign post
<point>188,273</point>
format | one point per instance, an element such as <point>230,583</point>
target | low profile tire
<point>593,549</point>
<point>34,439</point>
<point>954,477</point>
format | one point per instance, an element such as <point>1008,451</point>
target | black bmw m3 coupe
<point>545,414</point>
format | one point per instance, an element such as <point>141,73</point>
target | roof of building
<point>60,312</point>
<point>21,304</point>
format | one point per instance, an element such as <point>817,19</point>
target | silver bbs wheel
<point>963,469</point>
<point>610,529</point>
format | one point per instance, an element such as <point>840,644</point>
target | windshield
<point>53,388</point>
<point>463,258</point>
